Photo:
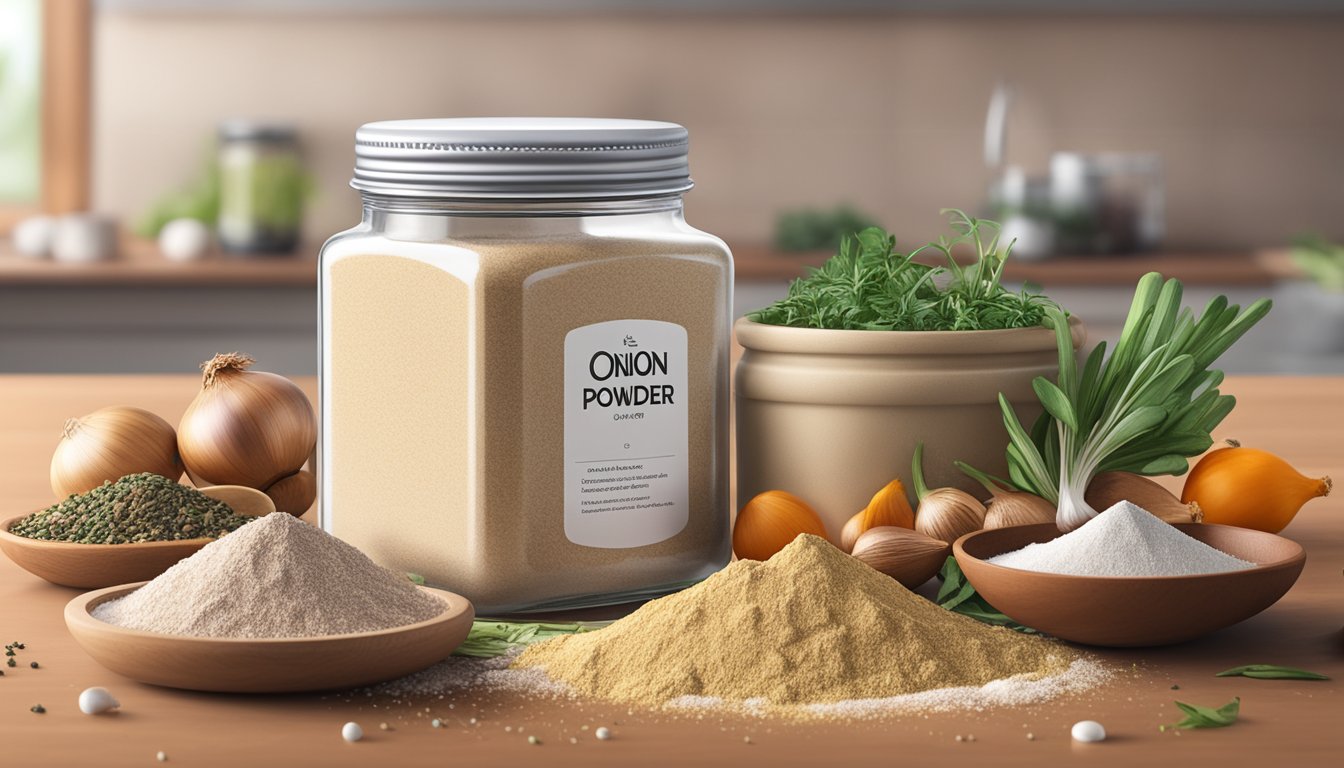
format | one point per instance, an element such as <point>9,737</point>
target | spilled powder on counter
<point>1125,540</point>
<point>277,576</point>
<point>811,630</point>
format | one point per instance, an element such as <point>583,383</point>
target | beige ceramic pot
<point>832,416</point>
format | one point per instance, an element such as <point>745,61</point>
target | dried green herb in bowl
<point>136,508</point>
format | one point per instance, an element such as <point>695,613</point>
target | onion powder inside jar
<point>524,362</point>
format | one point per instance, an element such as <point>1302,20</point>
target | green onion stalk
<point>1146,409</point>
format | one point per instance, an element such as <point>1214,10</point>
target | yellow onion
<point>109,444</point>
<point>770,521</point>
<point>245,427</point>
<point>294,493</point>
<point>944,514</point>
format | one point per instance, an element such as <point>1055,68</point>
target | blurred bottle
<point>262,186</point>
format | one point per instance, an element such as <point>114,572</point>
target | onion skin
<point>1250,488</point>
<point>294,493</point>
<point>245,427</point>
<point>1009,508</point>
<point>109,444</point>
<point>1109,488</point>
<point>770,521</point>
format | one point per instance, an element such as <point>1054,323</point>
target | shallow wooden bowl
<point>1132,611</point>
<point>90,566</point>
<point>283,665</point>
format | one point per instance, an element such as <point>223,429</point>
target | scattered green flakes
<point>1271,672</point>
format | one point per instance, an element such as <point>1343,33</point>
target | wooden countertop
<point>1282,721</point>
<point>141,264</point>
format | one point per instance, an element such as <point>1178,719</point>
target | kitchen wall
<point>885,111</point>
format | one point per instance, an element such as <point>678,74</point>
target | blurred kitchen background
<point>1200,138</point>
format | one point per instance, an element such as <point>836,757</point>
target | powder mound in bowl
<point>809,626</point>
<point>274,577</point>
<point>1125,540</point>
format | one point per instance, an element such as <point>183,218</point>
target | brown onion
<point>109,444</point>
<point>245,427</point>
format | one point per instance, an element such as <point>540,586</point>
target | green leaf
<point>957,595</point>
<point>1207,717</point>
<point>1271,672</point>
<point>1055,402</point>
<point>489,638</point>
<point>415,578</point>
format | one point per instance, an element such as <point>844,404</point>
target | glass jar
<point>261,188</point>
<point>524,363</point>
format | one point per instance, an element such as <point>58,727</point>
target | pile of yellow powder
<point>809,626</point>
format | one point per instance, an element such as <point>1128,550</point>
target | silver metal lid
<point>521,158</point>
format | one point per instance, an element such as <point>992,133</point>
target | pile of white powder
<point>1125,540</point>
<point>276,576</point>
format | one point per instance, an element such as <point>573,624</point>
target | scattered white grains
<point>161,756</point>
<point>436,723</point>
<point>533,740</point>
<point>95,700</point>
<point>351,732</point>
<point>1088,731</point>
<point>602,734</point>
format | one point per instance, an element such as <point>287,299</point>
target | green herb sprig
<point>957,595</point>
<point>869,286</point>
<point>1271,672</point>
<point>1145,409</point>
<point>1206,717</point>
<point>488,638</point>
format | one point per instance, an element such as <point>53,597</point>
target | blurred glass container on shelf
<point>1110,202</point>
<point>1021,203</point>
<point>262,186</point>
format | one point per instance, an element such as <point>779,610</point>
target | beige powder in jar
<point>444,430</point>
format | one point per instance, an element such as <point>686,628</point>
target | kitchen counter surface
<point>1297,722</point>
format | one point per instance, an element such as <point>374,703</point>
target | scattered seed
<point>602,734</point>
<point>1031,737</point>
<point>746,739</point>
<point>573,740</point>
<point>1175,687</point>
<point>960,737</point>
<point>970,737</point>
<point>533,740</point>
<point>11,663</point>
<point>161,756</point>
<point>436,723</point>
<point>34,664</point>
<point>472,721</point>
<point>38,708</point>
<point>384,727</point>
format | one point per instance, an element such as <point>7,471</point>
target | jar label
<point>626,446</point>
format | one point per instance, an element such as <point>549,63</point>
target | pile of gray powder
<point>274,577</point>
<point>1125,540</point>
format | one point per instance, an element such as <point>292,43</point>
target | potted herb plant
<point>873,353</point>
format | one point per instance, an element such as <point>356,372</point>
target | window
<point>44,107</point>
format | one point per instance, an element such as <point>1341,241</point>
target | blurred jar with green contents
<point>262,186</point>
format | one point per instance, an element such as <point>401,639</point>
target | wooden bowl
<point>1132,611</point>
<point>90,566</point>
<point>282,665</point>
